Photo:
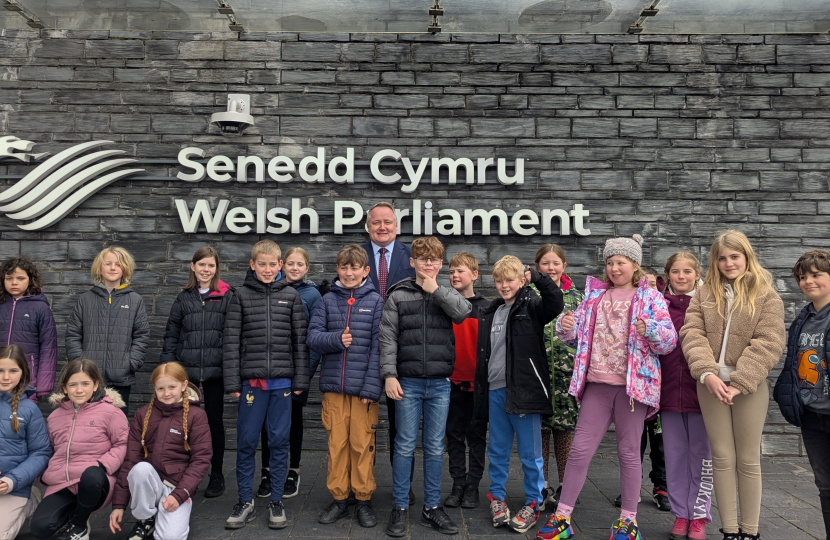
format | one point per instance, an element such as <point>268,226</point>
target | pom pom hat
<point>628,247</point>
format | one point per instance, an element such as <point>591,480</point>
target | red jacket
<point>466,340</point>
<point>678,391</point>
<point>165,446</point>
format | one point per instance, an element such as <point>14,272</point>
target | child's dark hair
<point>204,252</point>
<point>14,352</point>
<point>12,264</point>
<point>82,366</point>
<point>816,259</point>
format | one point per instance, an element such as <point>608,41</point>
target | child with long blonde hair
<point>168,455</point>
<point>733,336</point>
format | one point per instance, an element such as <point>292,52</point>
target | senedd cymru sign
<point>57,186</point>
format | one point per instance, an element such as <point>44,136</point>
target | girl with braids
<point>550,260</point>
<point>26,319</point>
<point>89,434</point>
<point>168,454</point>
<point>25,448</point>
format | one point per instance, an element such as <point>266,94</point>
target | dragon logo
<point>60,184</point>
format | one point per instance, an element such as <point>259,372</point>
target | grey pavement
<point>791,508</point>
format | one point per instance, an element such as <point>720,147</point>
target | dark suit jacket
<point>399,267</point>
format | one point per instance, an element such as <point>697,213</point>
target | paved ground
<point>790,506</point>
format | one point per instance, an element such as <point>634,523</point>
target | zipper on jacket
<point>202,350</point>
<point>69,443</point>
<point>343,370</point>
<point>107,335</point>
<point>11,322</point>
<point>267,333</point>
<point>424,340</point>
<point>538,377</point>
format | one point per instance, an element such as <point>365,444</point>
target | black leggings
<point>213,401</point>
<point>295,438</point>
<point>57,509</point>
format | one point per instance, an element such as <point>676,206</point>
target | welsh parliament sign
<point>54,188</point>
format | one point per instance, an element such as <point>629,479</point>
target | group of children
<point>541,361</point>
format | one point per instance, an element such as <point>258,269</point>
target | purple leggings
<point>601,405</point>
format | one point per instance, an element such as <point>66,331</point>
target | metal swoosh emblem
<point>60,184</point>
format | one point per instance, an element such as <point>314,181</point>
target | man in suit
<point>389,263</point>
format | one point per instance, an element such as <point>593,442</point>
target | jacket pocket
<point>174,469</point>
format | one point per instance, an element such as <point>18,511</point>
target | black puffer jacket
<point>194,332</point>
<point>527,367</point>
<point>265,333</point>
<point>111,329</point>
<point>416,335</point>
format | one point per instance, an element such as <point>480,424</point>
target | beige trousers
<point>14,511</point>
<point>735,438</point>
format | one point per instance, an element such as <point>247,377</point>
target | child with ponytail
<point>24,442</point>
<point>618,330</point>
<point>26,319</point>
<point>89,435</point>
<point>732,338</point>
<point>685,444</point>
<point>168,454</point>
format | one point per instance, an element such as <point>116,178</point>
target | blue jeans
<point>528,431</point>
<point>432,397</point>
<point>254,406</point>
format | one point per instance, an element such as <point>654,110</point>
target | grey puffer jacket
<point>111,329</point>
<point>416,334</point>
<point>265,333</point>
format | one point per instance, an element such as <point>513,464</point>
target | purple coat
<point>28,322</point>
<point>678,392</point>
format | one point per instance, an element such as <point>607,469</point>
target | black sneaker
<point>143,529</point>
<point>366,516</point>
<point>548,498</point>
<point>747,536</point>
<point>292,485</point>
<point>216,485</point>
<point>661,499</point>
<point>396,527</point>
<point>438,520</point>
<point>333,512</point>
<point>618,500</point>
<point>74,532</point>
<point>732,536</point>
<point>453,500</point>
<point>265,485</point>
<point>470,498</point>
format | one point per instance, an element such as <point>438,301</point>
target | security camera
<point>237,118</point>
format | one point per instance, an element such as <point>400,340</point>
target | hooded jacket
<point>25,453</point>
<point>527,369</point>
<point>466,344</point>
<point>643,374</point>
<point>194,332</point>
<point>265,335</point>
<point>678,390</point>
<point>111,329</point>
<point>28,322</point>
<point>416,336</point>
<point>95,433</point>
<point>165,448</point>
<point>755,342</point>
<point>310,295</point>
<point>786,392</point>
<point>354,371</point>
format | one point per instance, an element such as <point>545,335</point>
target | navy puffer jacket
<point>310,296</point>
<point>786,387</point>
<point>28,322</point>
<point>354,371</point>
<point>193,336</point>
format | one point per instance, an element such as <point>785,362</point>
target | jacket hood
<point>305,284</point>
<point>566,283</point>
<point>254,283</point>
<point>406,283</point>
<point>35,297</point>
<point>192,393</point>
<point>362,290</point>
<point>101,290</point>
<point>111,395</point>
<point>7,396</point>
<point>223,289</point>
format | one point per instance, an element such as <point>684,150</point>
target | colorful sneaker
<point>555,529</point>
<point>525,518</point>
<point>697,530</point>
<point>625,530</point>
<point>680,530</point>
<point>499,511</point>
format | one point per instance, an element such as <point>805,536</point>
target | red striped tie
<point>383,273</point>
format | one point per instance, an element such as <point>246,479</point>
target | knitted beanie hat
<point>628,247</point>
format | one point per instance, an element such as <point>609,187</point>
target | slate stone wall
<point>672,137</point>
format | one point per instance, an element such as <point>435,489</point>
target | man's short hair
<point>508,267</point>
<point>353,255</point>
<point>427,247</point>
<point>816,258</point>
<point>382,204</point>
<point>265,247</point>
<point>464,259</point>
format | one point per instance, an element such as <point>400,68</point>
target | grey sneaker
<point>276,515</point>
<point>243,512</point>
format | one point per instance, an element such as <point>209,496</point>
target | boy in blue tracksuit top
<point>344,330</point>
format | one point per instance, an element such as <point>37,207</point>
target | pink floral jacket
<point>643,377</point>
